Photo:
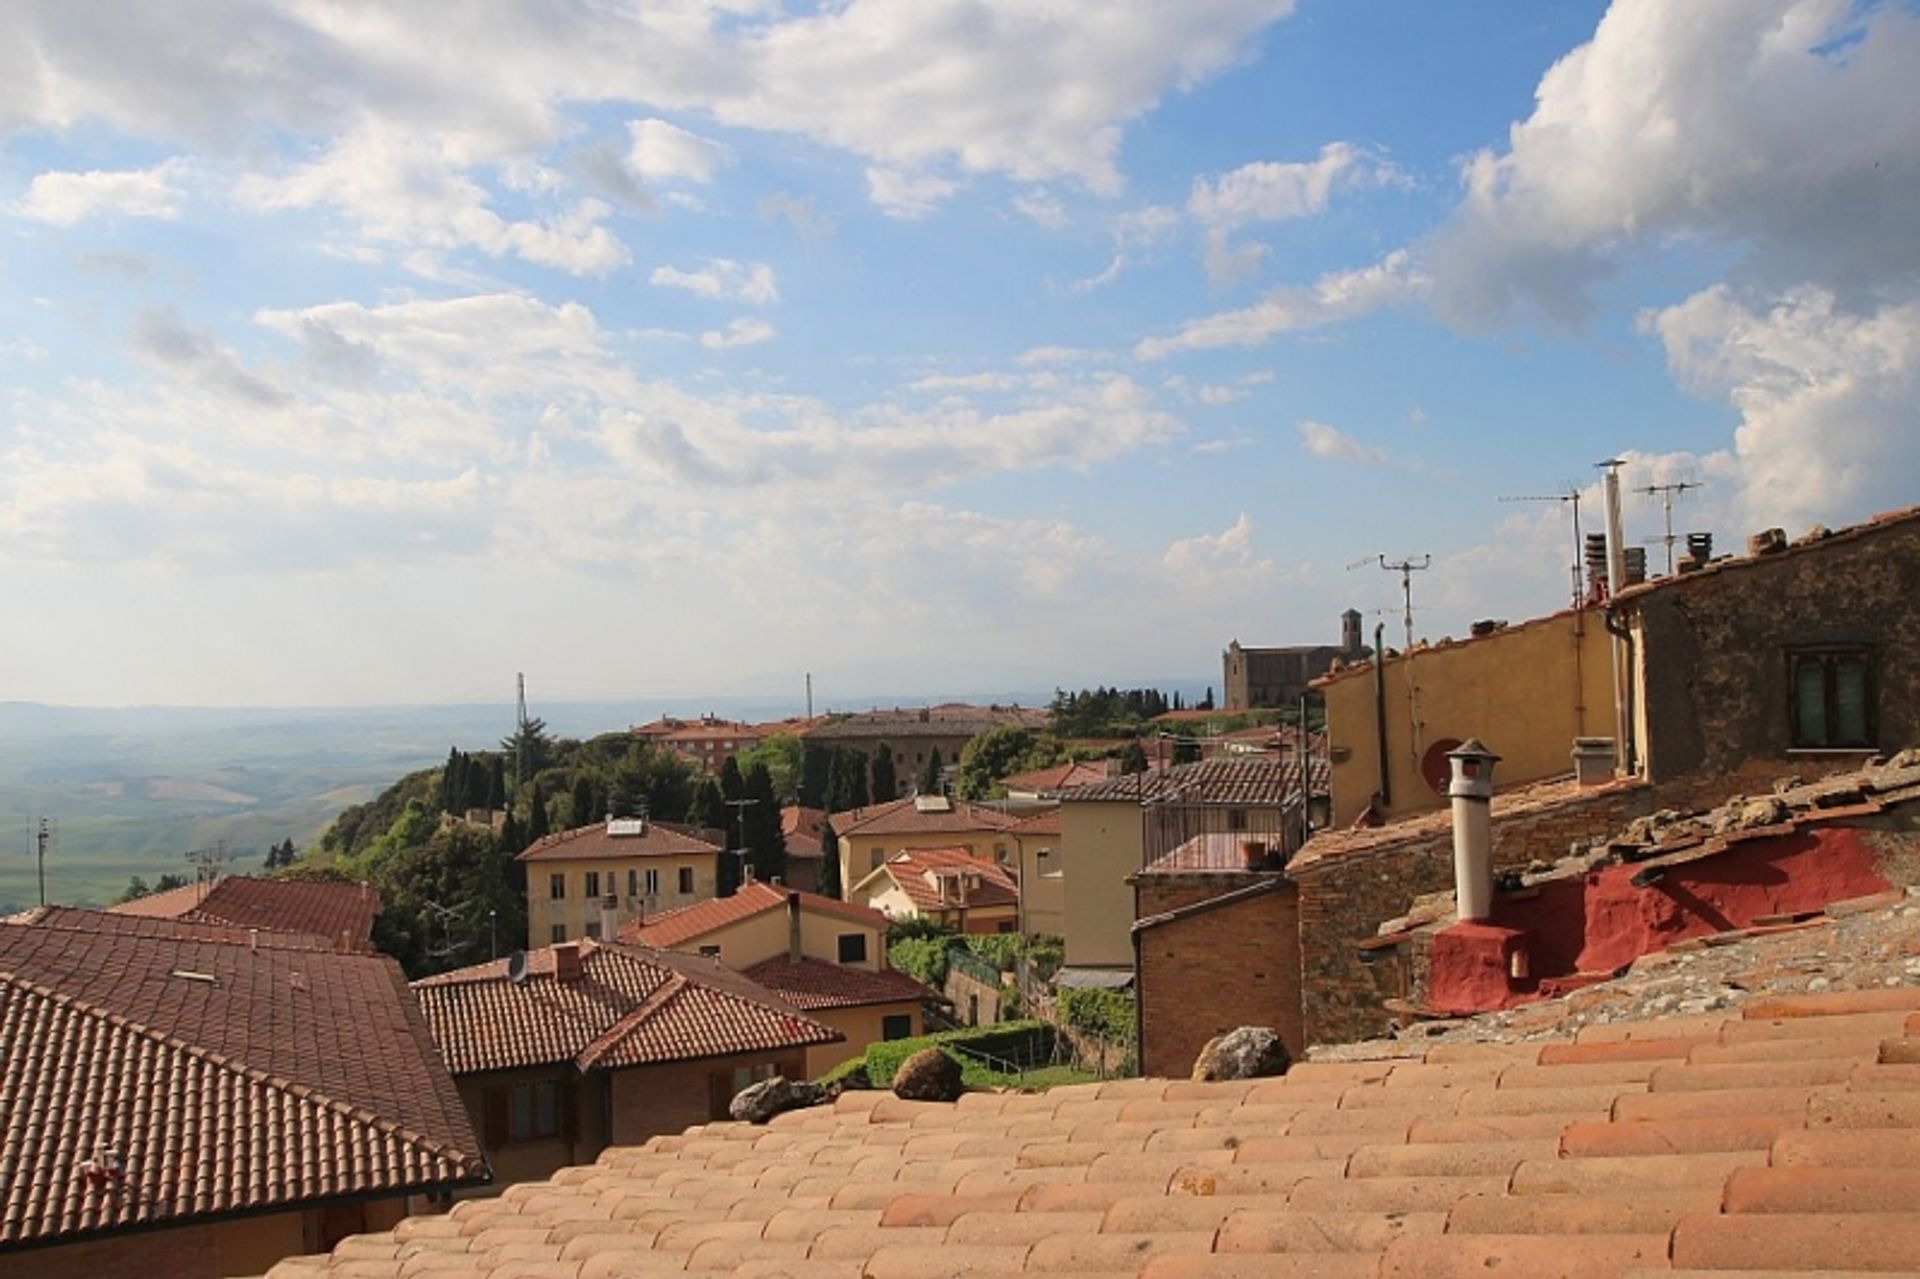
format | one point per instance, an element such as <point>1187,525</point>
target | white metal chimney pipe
<point>1616,579</point>
<point>610,918</point>
<point>1472,793</point>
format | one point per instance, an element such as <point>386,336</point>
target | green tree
<point>733,783</point>
<point>496,784</point>
<point>931,780</point>
<point>760,826</point>
<point>885,785</point>
<point>1003,751</point>
<point>709,807</point>
<point>849,788</point>
<point>830,885</point>
<point>785,762</point>
<point>536,813</point>
<point>530,749</point>
<point>816,775</point>
<point>1134,758</point>
<point>581,810</point>
<point>136,887</point>
<point>1185,750</point>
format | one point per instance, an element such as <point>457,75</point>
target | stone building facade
<point>1276,677</point>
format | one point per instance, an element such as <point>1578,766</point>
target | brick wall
<point>1344,898</point>
<point>1202,975</point>
<point>245,1245</point>
<point>654,1101</point>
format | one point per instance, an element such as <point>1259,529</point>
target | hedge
<point>1106,1013</point>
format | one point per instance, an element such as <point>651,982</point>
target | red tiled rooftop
<point>682,925</point>
<point>614,840</point>
<point>1044,822</point>
<point>630,1006</point>
<point>1229,780</point>
<point>812,984</point>
<point>920,815</point>
<point>1074,772</point>
<point>919,872</point>
<point>801,829</point>
<point>1497,1162</point>
<point>228,1072</point>
<point>324,908</point>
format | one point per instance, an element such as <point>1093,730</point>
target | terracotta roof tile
<point>687,923</point>
<point>1232,781</point>
<point>630,1006</point>
<point>920,872</point>
<point>1503,1162</point>
<point>921,815</point>
<point>323,908</point>
<point>811,984</point>
<point>629,837</point>
<point>221,1073</point>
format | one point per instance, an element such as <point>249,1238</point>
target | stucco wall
<point>577,909</point>
<point>1100,845</point>
<point>1526,691</point>
<point>861,1026</point>
<point>652,1101</point>
<point>860,854</point>
<point>765,936</point>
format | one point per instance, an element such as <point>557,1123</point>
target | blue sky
<point>349,355</point>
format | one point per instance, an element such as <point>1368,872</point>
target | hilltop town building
<point>912,735</point>
<point>1276,677</point>
<point>868,836</point>
<point>945,886</point>
<point>641,865</point>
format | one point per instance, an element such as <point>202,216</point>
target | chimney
<point>746,870</point>
<point>1767,542</point>
<point>1472,794</point>
<point>566,961</point>
<point>1699,552</point>
<point>1592,761</point>
<point>793,927</point>
<point>1596,558</point>
<point>1636,566</point>
<point>610,917</point>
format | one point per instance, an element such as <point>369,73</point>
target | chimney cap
<point>1473,748</point>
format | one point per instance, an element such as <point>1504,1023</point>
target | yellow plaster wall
<point>765,936</point>
<point>577,910</point>
<point>1526,692</point>
<point>860,854</point>
<point>861,1026</point>
<point>1043,883</point>
<point>1100,845</point>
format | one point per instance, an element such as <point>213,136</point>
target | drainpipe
<point>1623,637</point>
<point>1380,711</point>
<point>1472,793</point>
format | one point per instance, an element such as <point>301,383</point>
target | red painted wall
<point>1601,922</point>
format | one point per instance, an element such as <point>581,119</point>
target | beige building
<point>1530,690</point>
<point>1040,871</point>
<point>945,886</point>
<point>868,836</point>
<point>645,866</point>
<point>824,956</point>
<point>1112,830</point>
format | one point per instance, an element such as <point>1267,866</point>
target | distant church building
<point>1257,677</point>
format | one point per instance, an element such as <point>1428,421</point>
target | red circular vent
<point>1436,767</point>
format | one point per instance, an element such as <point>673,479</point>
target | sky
<point>366,353</point>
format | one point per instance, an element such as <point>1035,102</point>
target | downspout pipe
<point>1629,747</point>
<point>1385,790</point>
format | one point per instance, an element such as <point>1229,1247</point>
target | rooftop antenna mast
<point>209,864</point>
<point>445,916</point>
<point>1571,499</point>
<point>1667,493</point>
<point>44,838</point>
<point>520,733</point>
<point>1406,568</point>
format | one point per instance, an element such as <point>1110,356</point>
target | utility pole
<point>1667,493</point>
<point>42,838</point>
<point>520,734</point>
<point>739,807</point>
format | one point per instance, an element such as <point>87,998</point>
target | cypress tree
<point>885,785</point>
<point>732,784</point>
<point>760,826</point>
<point>536,814</point>
<point>497,785</point>
<point>709,808</point>
<point>931,781</point>
<point>580,807</point>
<point>830,885</point>
<point>816,775</point>
<point>1134,758</point>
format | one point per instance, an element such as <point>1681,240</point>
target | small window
<point>533,1111</point>
<point>557,886</point>
<point>593,929</point>
<point>558,933</point>
<point>853,948</point>
<point>633,883</point>
<point>896,1026</point>
<point>686,881</point>
<point>653,883</point>
<point>1832,692</point>
<point>593,884</point>
<point>875,857</point>
<point>711,952</point>
<point>1006,926</point>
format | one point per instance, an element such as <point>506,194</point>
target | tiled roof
<point>1045,822</point>
<point>800,828</point>
<point>631,1006</point>
<point>1519,802</point>
<point>910,816</point>
<point>682,925</point>
<point>225,1073</point>
<point>1231,780</point>
<point>918,872</point>
<point>1779,1141</point>
<point>324,908</point>
<point>74,917</point>
<point>1805,546</point>
<point>811,984</point>
<point>1074,772</point>
<point>658,839</point>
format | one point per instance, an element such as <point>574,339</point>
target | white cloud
<point>66,198</point>
<point>1232,545</point>
<point>949,382</point>
<point>1057,355</point>
<point>1332,445</point>
<point>740,332</point>
<point>723,279</point>
<point>797,211</point>
<point>907,194</point>
<point>1333,298</point>
<point>1228,263</point>
<point>1789,129</point>
<point>662,152</point>
<point>1042,208</point>
<point>1274,191</point>
<point>1829,400</point>
<point>1208,393</point>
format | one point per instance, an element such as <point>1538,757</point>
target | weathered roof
<point>324,908</point>
<point>919,871</point>
<point>630,1006</point>
<point>656,839</point>
<point>920,815</point>
<point>801,829</point>
<point>1074,772</point>
<point>1044,822</point>
<point>1781,1140</point>
<point>686,923</point>
<point>225,1072</point>
<point>812,984</point>
<point>1235,781</point>
<point>1813,544</point>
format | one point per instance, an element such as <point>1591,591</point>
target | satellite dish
<point>517,967</point>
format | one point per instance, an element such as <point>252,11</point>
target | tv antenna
<point>1406,568</point>
<point>739,807</point>
<point>1570,499</point>
<point>45,837</point>
<point>209,864</point>
<point>445,916</point>
<point>1667,493</point>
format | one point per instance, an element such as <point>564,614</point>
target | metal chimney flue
<point>610,917</point>
<point>1471,791</point>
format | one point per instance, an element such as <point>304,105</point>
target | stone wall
<point>1344,897</point>
<point>1207,972</point>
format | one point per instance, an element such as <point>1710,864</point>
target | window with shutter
<point>1831,698</point>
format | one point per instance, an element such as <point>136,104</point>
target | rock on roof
<point>812,984</point>
<point>324,908</point>
<point>624,837</point>
<point>631,1006</point>
<point>1782,1140</point>
<point>920,815</point>
<point>225,1073</point>
<point>683,924</point>
<point>1234,781</point>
